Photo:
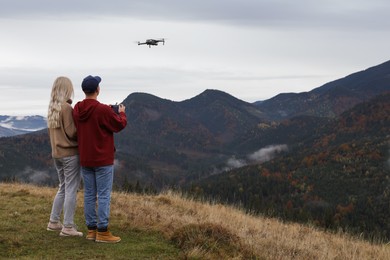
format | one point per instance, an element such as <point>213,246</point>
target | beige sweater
<point>63,140</point>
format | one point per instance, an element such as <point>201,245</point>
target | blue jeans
<point>97,188</point>
<point>68,170</point>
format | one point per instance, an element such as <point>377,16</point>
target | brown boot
<point>91,234</point>
<point>106,237</point>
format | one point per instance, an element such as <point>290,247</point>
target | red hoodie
<point>96,124</point>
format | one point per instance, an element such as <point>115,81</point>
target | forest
<point>337,179</point>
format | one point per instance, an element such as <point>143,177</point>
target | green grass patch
<point>23,234</point>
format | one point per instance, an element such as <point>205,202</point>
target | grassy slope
<point>24,213</point>
<point>166,226</point>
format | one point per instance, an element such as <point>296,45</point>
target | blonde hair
<point>61,92</point>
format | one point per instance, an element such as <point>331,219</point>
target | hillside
<point>331,99</point>
<point>4,131</point>
<point>337,177</point>
<point>27,158</point>
<point>167,226</point>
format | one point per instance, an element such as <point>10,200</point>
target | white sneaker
<point>54,226</point>
<point>70,231</point>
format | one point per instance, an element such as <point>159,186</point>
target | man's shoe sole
<point>108,241</point>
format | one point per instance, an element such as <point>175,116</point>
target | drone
<point>153,42</point>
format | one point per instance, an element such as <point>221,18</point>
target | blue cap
<point>90,84</point>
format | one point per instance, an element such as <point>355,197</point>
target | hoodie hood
<point>84,109</point>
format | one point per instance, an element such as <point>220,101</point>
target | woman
<point>63,140</point>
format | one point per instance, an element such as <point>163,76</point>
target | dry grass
<point>210,231</point>
<point>261,237</point>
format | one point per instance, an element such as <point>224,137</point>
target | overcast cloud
<point>252,50</point>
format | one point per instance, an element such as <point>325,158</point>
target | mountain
<point>175,141</point>
<point>332,98</point>
<point>337,177</point>
<point>211,118</point>
<point>16,125</point>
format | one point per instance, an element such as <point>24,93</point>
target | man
<point>96,124</point>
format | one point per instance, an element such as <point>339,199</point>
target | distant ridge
<point>376,78</point>
<point>10,132</point>
<point>16,125</point>
<point>332,98</point>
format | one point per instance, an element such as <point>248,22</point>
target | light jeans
<point>68,170</point>
<point>97,188</point>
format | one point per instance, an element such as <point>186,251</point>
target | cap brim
<point>98,79</point>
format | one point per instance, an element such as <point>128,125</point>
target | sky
<point>251,49</point>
